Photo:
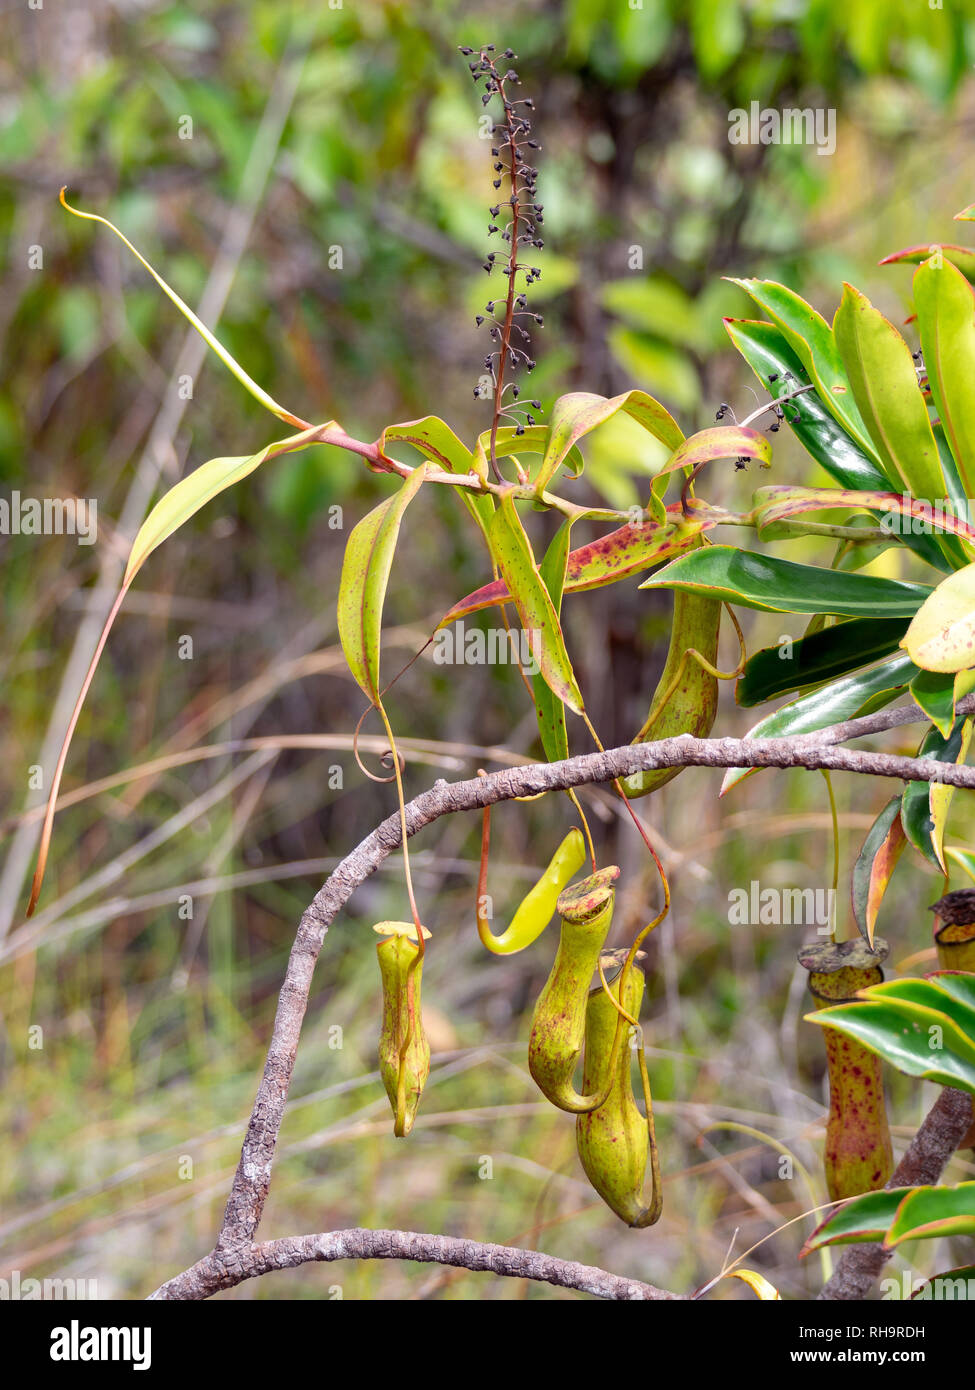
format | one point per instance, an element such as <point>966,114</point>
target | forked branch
<point>236,1257</point>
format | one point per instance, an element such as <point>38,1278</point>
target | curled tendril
<point>386,758</point>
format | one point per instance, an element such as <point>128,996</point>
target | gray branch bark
<point>222,1270</point>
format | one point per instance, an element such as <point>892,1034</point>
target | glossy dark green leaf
<point>934,691</point>
<point>896,1214</point>
<point>830,704</point>
<point>822,656</point>
<point>781,586</point>
<point>925,805</point>
<point>919,1038</point>
<point>768,354</point>
<point>931,992</point>
<point>958,983</point>
<point>770,357</point>
<point>811,339</point>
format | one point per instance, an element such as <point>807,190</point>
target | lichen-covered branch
<point>222,1270</point>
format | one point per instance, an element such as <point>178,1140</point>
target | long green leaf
<point>919,1039</point>
<point>208,337</point>
<point>549,709</point>
<point>536,611</point>
<point>881,371</point>
<point>781,586</point>
<point>811,339</point>
<point>366,567</point>
<point>946,322</point>
<point>961,256</point>
<point>191,493</point>
<point>934,691</point>
<point>930,993</point>
<point>778,369</point>
<point>958,983</point>
<point>779,502</point>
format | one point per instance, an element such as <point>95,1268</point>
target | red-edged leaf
<point>779,502</point>
<point>961,256</point>
<point>629,550</point>
<point>875,864</point>
<point>720,442</point>
<point>365,574</point>
<point>579,412</point>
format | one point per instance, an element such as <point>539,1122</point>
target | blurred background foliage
<point>330,208</point>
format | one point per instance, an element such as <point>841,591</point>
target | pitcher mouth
<point>585,899</point>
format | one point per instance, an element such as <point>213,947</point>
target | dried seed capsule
<point>858,1156</point>
<point>404,1053</point>
<point>613,1142</point>
<point>559,1020</point>
<point>686,698</point>
<point>536,909</point>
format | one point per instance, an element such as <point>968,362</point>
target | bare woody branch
<point>223,1270</point>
